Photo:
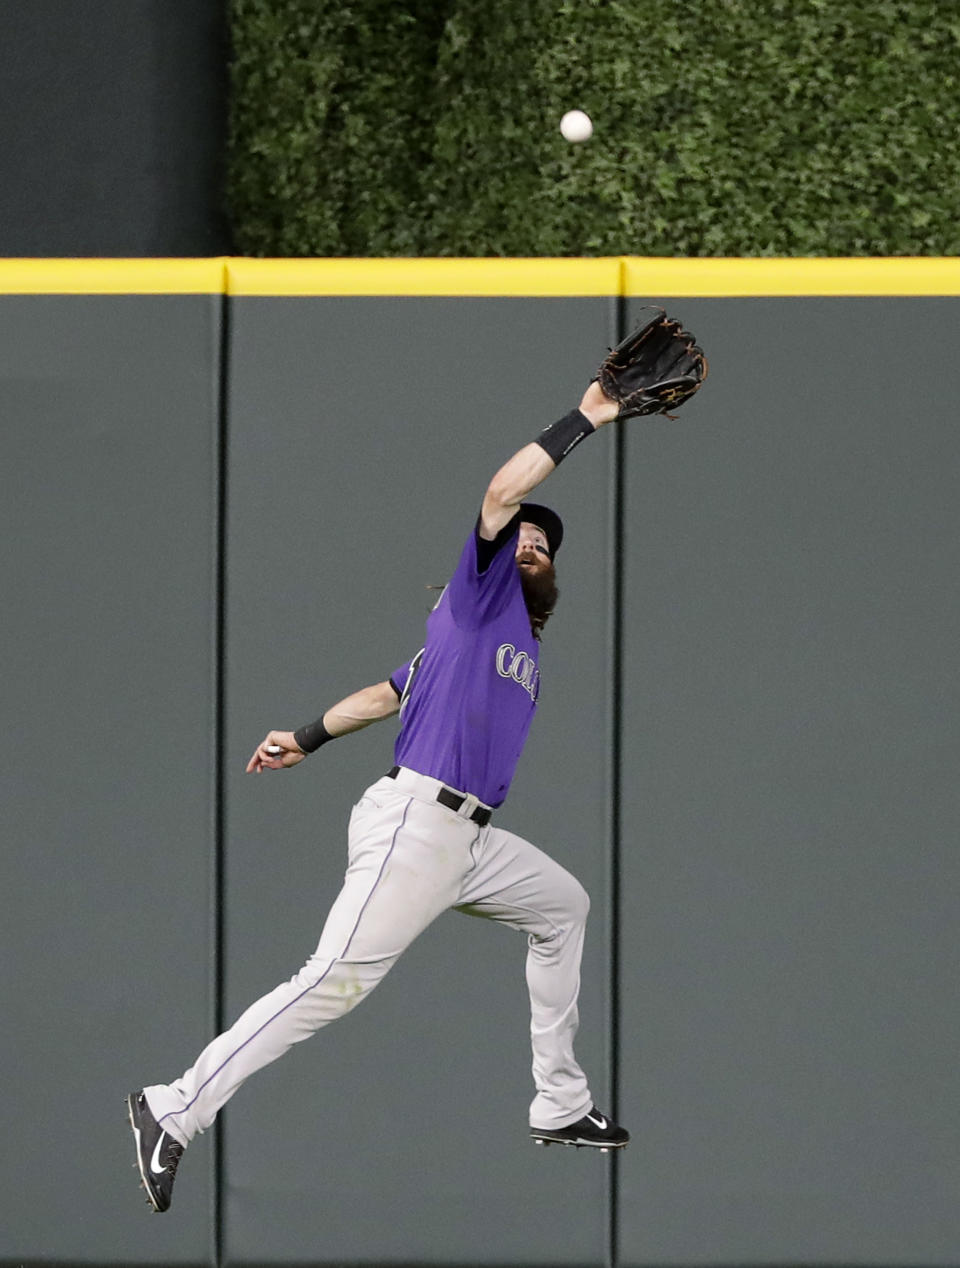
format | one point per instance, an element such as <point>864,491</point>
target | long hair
<point>540,594</point>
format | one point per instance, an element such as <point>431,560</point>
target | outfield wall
<point>228,484</point>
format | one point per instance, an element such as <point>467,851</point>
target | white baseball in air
<point>576,126</point>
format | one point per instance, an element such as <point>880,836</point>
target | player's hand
<point>289,754</point>
<point>597,406</point>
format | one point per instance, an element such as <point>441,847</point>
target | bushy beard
<point>540,594</point>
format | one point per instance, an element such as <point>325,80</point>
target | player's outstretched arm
<point>532,464</point>
<point>354,712</point>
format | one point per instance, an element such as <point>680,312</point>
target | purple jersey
<point>469,696</point>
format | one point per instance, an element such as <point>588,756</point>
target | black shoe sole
<point>547,1138</point>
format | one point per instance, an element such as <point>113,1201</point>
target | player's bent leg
<point>521,886</point>
<point>395,886</point>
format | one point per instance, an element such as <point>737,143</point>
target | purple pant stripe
<point>226,1061</point>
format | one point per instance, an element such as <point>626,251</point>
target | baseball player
<point>426,837</point>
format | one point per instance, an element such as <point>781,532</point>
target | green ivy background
<point>722,128</point>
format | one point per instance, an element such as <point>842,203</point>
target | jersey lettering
<point>520,667</point>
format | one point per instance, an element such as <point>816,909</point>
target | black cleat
<point>157,1152</point>
<point>594,1131</point>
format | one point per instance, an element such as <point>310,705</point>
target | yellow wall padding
<point>607,276</point>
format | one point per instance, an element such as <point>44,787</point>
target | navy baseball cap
<point>549,522</point>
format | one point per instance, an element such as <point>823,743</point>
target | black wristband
<point>311,737</point>
<point>559,438</point>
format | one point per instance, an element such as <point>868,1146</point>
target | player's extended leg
<point>396,884</point>
<point>522,887</point>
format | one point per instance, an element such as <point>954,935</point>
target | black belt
<point>453,801</point>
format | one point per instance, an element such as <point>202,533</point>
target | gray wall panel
<point>108,427</point>
<point>399,1133</point>
<point>790,745</point>
<point>790,874</point>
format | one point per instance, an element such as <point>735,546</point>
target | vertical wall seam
<point>615,574</point>
<point>219,739</point>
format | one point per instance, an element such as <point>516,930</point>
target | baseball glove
<point>654,370</point>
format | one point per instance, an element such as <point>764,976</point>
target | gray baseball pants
<point>409,860</point>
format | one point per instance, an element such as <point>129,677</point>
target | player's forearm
<point>527,468</point>
<point>371,704</point>
<point>353,713</point>
<point>532,464</point>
